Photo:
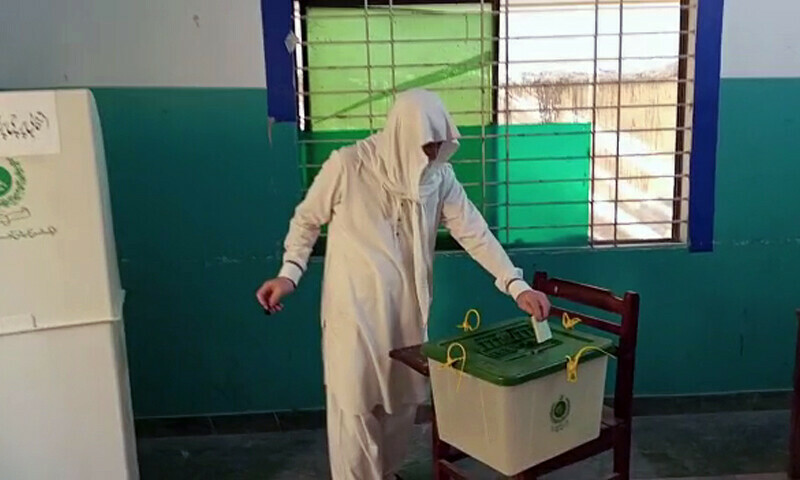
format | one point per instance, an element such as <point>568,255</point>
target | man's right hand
<point>272,292</point>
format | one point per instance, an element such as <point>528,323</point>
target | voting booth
<point>510,401</point>
<point>65,409</point>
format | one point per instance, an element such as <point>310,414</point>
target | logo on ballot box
<point>12,182</point>
<point>559,413</point>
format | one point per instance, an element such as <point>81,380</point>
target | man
<point>383,200</point>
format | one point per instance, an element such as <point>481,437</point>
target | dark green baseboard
<point>718,403</point>
<point>251,423</point>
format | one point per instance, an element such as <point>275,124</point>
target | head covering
<point>395,157</point>
<point>395,154</point>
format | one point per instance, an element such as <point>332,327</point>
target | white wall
<point>761,38</point>
<point>138,43</point>
<point>219,43</point>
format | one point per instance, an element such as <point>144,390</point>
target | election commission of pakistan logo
<point>560,410</point>
<point>12,182</point>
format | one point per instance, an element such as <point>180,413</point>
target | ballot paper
<point>541,330</point>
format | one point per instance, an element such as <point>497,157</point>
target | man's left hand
<point>535,304</point>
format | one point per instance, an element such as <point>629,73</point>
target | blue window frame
<point>705,123</point>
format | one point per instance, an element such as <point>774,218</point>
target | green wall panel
<point>548,166</point>
<point>201,201</point>
<point>525,155</point>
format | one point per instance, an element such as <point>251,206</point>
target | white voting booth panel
<point>65,410</point>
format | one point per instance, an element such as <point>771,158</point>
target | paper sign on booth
<point>28,124</point>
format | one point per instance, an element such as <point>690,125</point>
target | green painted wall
<point>555,160</point>
<point>201,200</point>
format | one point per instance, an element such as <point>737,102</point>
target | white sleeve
<point>309,217</point>
<point>468,227</point>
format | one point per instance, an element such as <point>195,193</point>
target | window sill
<point>450,248</point>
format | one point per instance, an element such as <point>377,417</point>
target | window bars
<point>575,115</point>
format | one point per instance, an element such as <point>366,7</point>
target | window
<point>575,114</point>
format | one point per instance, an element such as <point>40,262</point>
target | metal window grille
<point>575,114</point>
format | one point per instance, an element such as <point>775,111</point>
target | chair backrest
<point>626,307</point>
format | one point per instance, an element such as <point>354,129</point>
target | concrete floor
<point>731,446</point>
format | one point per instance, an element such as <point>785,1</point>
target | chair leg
<point>449,471</point>
<point>524,476</point>
<point>794,433</point>
<point>794,438</point>
<point>622,452</point>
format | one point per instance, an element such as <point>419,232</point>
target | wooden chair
<point>794,433</point>
<point>615,432</point>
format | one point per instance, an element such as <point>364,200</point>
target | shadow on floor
<point>732,446</point>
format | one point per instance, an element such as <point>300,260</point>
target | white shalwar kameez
<point>383,201</point>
